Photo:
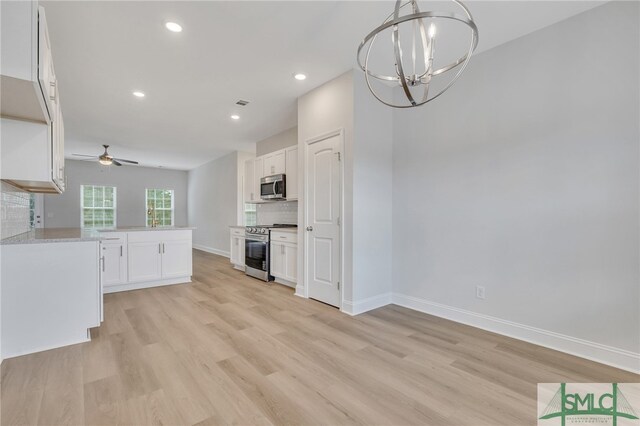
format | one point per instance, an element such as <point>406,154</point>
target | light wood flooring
<point>227,349</point>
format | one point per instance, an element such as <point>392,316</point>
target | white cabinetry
<point>274,163</point>
<point>292,173</point>
<point>32,141</point>
<point>148,258</point>
<point>249,182</point>
<point>51,295</point>
<point>236,253</point>
<point>284,257</point>
<point>114,260</point>
<point>284,161</point>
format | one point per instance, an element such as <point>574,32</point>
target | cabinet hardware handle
<point>162,248</point>
<point>159,249</point>
<point>102,259</point>
<point>121,251</point>
<point>284,238</point>
<point>309,228</point>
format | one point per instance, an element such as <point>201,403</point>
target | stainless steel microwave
<point>273,187</point>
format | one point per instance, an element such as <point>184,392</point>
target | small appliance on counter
<point>256,250</point>
<point>273,187</point>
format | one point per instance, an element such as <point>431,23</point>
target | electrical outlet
<point>480,292</point>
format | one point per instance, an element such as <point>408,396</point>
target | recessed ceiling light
<point>235,117</point>
<point>138,94</point>
<point>173,27</point>
<point>300,76</point>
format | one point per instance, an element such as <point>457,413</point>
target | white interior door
<point>323,219</point>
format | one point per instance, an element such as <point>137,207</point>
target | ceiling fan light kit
<point>409,74</point>
<point>106,160</point>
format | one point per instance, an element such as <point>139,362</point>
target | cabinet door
<point>46,73</point>
<point>292,173</point>
<point>114,265</point>
<point>58,150</point>
<point>144,259</point>
<point>277,260</point>
<point>234,252</point>
<point>176,259</point>
<point>249,181</point>
<point>258,170</point>
<point>274,163</point>
<point>291,262</point>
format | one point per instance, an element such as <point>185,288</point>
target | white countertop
<point>54,235</point>
<point>70,235</point>
<point>147,228</point>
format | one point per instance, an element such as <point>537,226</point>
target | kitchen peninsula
<point>53,279</point>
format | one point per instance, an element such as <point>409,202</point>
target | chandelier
<point>419,74</point>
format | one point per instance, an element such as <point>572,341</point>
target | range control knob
<point>264,231</point>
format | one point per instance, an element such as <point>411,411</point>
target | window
<point>98,204</point>
<point>160,200</point>
<point>250,214</point>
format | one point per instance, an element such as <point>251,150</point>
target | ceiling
<point>228,50</point>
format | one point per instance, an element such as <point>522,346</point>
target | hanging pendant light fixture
<point>418,75</point>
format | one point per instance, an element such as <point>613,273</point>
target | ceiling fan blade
<point>116,162</point>
<point>83,155</point>
<point>126,161</point>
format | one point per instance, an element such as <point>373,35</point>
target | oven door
<point>256,252</point>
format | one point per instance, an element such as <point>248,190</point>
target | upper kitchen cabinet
<point>274,163</point>
<point>32,140</point>
<point>29,85</point>
<point>292,172</point>
<point>249,183</point>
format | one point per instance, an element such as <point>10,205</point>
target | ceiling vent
<point>242,103</point>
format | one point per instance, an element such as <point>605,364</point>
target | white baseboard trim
<point>83,336</point>
<point>364,305</point>
<point>138,286</point>
<point>615,357</point>
<point>300,291</point>
<point>285,282</point>
<point>212,250</point>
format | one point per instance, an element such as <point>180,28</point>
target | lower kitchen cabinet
<point>146,258</point>
<point>283,252</point>
<point>51,295</point>
<point>236,252</point>
<point>113,268</point>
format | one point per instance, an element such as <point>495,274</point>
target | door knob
<point>309,228</point>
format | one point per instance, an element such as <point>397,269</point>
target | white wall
<point>277,142</point>
<point>323,110</point>
<point>372,197</point>
<point>213,203</point>
<point>63,210</point>
<point>367,164</point>
<point>524,178</point>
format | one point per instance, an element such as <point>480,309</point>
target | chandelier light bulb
<point>432,31</point>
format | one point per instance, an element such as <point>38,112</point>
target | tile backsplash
<point>14,211</point>
<point>279,212</point>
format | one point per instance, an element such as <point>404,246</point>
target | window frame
<point>114,207</point>
<point>172,209</point>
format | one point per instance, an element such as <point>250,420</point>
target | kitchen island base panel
<point>139,286</point>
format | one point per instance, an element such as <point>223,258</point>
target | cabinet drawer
<point>287,237</point>
<point>114,238</point>
<point>237,232</point>
<point>177,235</point>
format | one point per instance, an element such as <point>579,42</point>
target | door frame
<point>338,132</point>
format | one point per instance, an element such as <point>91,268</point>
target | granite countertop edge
<point>74,235</point>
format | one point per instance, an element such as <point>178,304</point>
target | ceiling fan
<point>106,159</point>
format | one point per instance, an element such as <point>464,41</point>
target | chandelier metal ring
<point>394,20</point>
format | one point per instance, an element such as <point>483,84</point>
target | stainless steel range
<point>256,250</point>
